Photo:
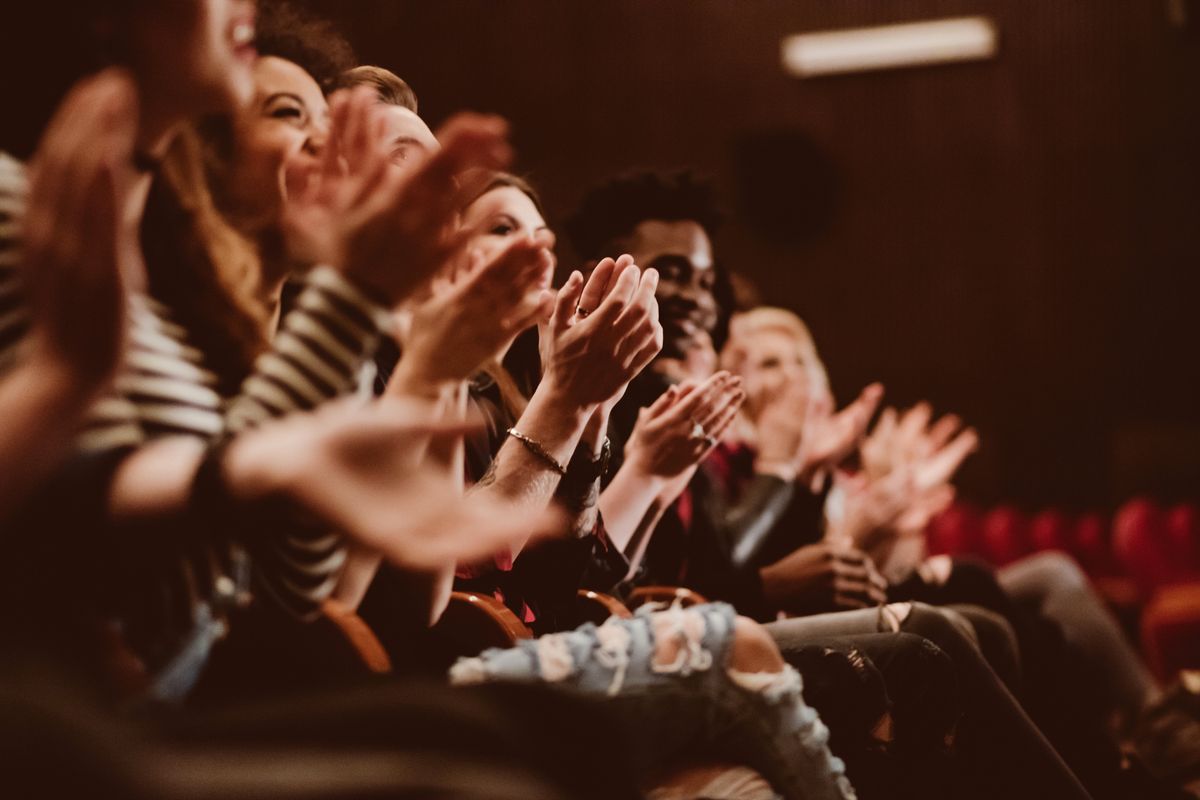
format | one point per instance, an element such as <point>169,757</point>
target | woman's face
<point>500,214</point>
<point>282,130</point>
<point>194,57</point>
<point>771,360</point>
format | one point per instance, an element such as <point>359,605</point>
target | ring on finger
<point>698,433</point>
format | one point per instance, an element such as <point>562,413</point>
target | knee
<point>948,631</point>
<point>1057,570</point>
<point>753,649</point>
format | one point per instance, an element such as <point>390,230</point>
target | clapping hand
<point>78,254</point>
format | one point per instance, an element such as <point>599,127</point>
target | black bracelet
<point>212,508</point>
<point>586,467</point>
<point>536,448</point>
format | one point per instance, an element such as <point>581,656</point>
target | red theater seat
<point>1005,535</point>
<point>1050,530</point>
<point>1171,630</point>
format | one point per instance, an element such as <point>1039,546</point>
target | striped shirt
<point>166,389</point>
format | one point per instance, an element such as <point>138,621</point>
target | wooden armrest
<point>597,607</point>
<point>358,635</point>
<point>664,594</point>
<point>474,622</point>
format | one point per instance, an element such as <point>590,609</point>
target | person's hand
<point>321,192</point>
<point>474,313</point>
<point>781,430</point>
<point>823,577</point>
<point>78,254</point>
<point>348,467</point>
<point>387,229</point>
<point>870,510</point>
<point>682,426</point>
<point>832,437</point>
<point>591,352</point>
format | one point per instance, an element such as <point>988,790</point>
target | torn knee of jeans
<point>554,658</point>
<point>679,641</point>
<point>613,638</point>
<point>775,687</point>
<point>893,615</point>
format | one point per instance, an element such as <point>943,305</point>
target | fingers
<point>566,302</point>
<point>943,430</point>
<point>691,401</point>
<point>664,401</point>
<point>618,299</point>
<point>512,274</point>
<point>729,395</point>
<point>719,425</point>
<point>867,402</point>
<point>597,286</point>
<point>641,306</point>
<point>339,111</point>
<point>643,357</point>
<point>940,467</point>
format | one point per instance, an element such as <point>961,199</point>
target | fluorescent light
<point>911,44</point>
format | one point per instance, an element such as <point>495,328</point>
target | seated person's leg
<point>1054,585</point>
<point>686,681</point>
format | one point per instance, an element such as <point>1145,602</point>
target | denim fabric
<point>174,681</point>
<point>691,707</point>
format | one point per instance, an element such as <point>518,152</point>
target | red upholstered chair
<point>955,531</point>
<point>1005,535</point>
<point>1050,530</point>
<point>1171,630</point>
<point>1181,526</point>
<point>1091,545</point>
<point>1139,543</point>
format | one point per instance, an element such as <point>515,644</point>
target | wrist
<point>596,431</point>
<point>412,377</point>
<point>555,421</point>
<point>783,469</point>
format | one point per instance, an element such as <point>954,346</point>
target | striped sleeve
<point>316,356</point>
<point>14,316</point>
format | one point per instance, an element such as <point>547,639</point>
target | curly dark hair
<point>291,32</point>
<point>613,209</point>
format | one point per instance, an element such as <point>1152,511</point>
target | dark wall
<point>1014,240</point>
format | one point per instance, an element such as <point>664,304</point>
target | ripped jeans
<point>693,706</point>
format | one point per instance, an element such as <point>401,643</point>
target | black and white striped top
<point>165,389</point>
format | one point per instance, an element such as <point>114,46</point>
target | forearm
<point>155,480</point>
<point>517,474</point>
<point>626,501</point>
<point>582,500</point>
<point>357,573</point>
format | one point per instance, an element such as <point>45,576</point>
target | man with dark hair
<point>667,222</point>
